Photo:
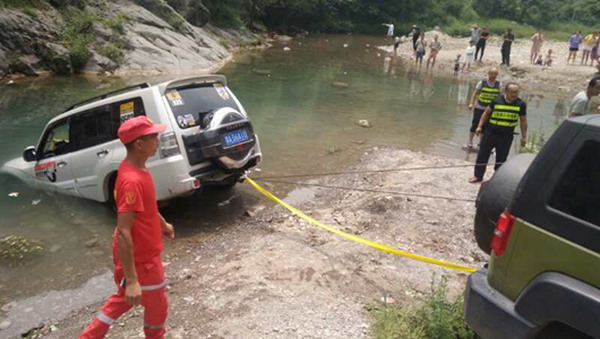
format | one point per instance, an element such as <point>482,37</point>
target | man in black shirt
<point>500,118</point>
<point>480,47</point>
<point>508,38</point>
<point>415,32</point>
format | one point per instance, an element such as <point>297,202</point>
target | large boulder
<point>28,44</point>
<point>57,58</point>
<point>194,11</point>
<point>29,65</point>
<point>162,9</point>
<point>99,64</point>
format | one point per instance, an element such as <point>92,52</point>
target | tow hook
<point>243,176</point>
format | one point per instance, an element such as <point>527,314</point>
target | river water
<point>305,123</point>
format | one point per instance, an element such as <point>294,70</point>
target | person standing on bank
<point>137,241</point>
<point>588,44</point>
<point>483,94</point>
<point>420,50</point>
<point>502,116</point>
<point>474,34</point>
<point>537,40</point>
<point>416,33</point>
<point>574,41</point>
<point>390,31</point>
<point>483,36</point>
<point>508,39</point>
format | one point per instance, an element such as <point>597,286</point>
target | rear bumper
<point>490,314</point>
<point>215,173</point>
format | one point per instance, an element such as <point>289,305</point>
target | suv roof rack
<point>106,95</point>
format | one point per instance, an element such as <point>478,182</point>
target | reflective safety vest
<point>505,115</point>
<point>488,93</point>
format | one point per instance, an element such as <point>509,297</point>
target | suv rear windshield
<point>192,104</point>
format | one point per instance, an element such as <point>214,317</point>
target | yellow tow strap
<point>358,239</point>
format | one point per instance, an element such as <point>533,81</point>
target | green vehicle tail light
<point>502,233</point>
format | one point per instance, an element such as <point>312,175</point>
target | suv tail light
<point>168,145</point>
<point>502,233</point>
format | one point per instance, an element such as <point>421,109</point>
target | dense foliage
<point>366,16</point>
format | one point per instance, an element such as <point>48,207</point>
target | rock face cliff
<point>114,37</point>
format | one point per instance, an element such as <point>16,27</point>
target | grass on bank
<point>436,317</point>
<point>77,35</point>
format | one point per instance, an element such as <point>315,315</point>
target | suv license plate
<point>236,137</point>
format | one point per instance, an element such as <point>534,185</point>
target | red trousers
<point>154,299</point>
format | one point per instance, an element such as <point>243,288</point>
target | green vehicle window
<point>578,192</point>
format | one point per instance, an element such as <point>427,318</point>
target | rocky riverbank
<point>269,274</point>
<point>142,37</point>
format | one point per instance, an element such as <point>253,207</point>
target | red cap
<point>138,127</point>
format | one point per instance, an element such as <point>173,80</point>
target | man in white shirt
<point>581,104</point>
<point>390,32</point>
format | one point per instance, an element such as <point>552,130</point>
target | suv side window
<point>100,125</point>
<point>577,191</point>
<point>92,127</point>
<point>57,140</point>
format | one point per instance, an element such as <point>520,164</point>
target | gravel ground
<point>272,275</point>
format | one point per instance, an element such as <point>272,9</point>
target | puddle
<point>55,305</point>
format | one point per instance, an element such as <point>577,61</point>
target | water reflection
<point>559,110</point>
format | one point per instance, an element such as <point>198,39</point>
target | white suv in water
<point>209,139</point>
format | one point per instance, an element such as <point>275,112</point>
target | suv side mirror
<point>29,154</point>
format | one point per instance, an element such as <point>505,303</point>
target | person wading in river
<point>502,116</point>
<point>435,46</point>
<point>137,241</point>
<point>483,94</point>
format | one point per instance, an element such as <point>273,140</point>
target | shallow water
<point>305,124</point>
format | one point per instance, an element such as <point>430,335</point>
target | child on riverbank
<point>548,61</point>
<point>457,64</point>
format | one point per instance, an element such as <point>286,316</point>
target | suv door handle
<point>102,153</point>
<point>62,164</point>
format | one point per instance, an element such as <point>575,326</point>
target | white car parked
<point>209,139</point>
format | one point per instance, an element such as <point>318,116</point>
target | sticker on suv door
<point>47,169</point>
<point>175,98</point>
<point>126,111</point>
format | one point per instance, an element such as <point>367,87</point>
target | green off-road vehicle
<point>539,218</point>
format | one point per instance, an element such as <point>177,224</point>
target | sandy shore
<point>560,78</point>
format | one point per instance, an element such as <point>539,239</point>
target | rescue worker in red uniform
<point>137,241</point>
